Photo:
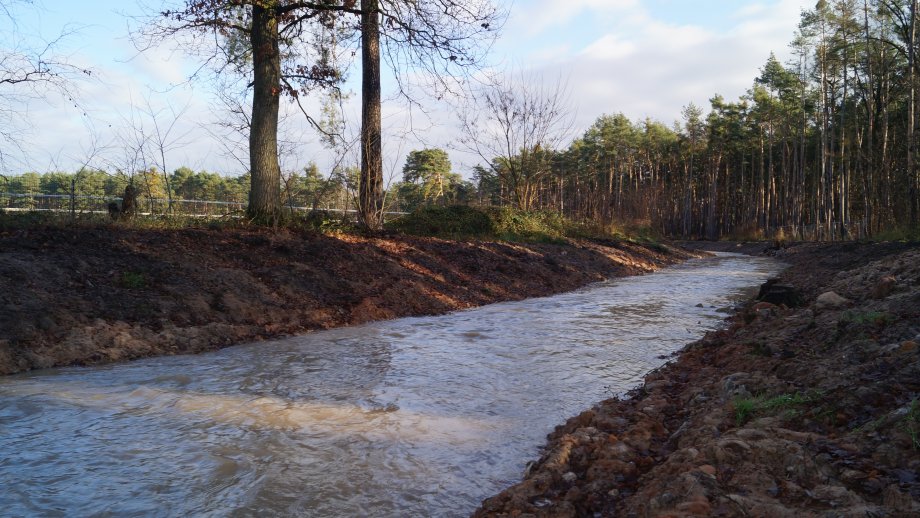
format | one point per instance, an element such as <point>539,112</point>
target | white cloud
<point>536,16</point>
<point>647,67</point>
<point>609,47</point>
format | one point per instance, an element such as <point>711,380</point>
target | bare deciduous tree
<point>30,69</point>
<point>517,121</point>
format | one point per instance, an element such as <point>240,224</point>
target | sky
<point>644,58</point>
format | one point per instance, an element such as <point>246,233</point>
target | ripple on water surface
<point>418,416</point>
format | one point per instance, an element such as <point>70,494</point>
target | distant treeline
<point>183,183</point>
<point>824,145</point>
<point>304,188</point>
<point>307,188</point>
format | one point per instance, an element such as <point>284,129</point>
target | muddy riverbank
<point>87,296</point>
<point>809,410</point>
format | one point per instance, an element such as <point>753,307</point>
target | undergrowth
<point>509,224</point>
<point>451,222</point>
<point>903,234</point>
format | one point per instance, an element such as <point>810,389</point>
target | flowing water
<point>411,417</point>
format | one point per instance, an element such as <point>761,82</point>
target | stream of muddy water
<point>411,417</point>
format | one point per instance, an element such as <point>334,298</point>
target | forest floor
<point>810,410</point>
<point>93,295</point>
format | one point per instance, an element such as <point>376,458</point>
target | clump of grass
<point>911,423</point>
<point>789,405</point>
<point>744,410</point>
<point>878,318</point>
<point>133,280</point>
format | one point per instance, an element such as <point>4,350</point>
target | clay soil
<point>84,296</point>
<point>804,411</point>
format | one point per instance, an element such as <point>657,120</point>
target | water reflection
<point>422,416</point>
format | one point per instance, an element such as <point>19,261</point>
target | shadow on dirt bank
<point>96,295</point>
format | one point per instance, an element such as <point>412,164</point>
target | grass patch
<point>877,318</point>
<point>744,410</point>
<point>911,423</point>
<point>133,280</point>
<point>789,405</point>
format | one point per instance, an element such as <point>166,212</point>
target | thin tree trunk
<point>869,172</point>
<point>911,117</point>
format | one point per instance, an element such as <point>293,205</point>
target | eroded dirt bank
<point>805,411</point>
<point>97,295</point>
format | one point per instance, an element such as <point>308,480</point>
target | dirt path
<point>96,295</point>
<point>805,411</point>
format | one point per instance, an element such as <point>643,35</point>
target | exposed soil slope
<point>96,295</point>
<point>809,411</point>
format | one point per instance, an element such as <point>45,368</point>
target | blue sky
<point>645,58</point>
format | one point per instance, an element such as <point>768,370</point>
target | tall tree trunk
<point>869,172</point>
<point>827,174</point>
<point>913,179</point>
<point>265,191</point>
<point>844,169</point>
<point>370,199</point>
